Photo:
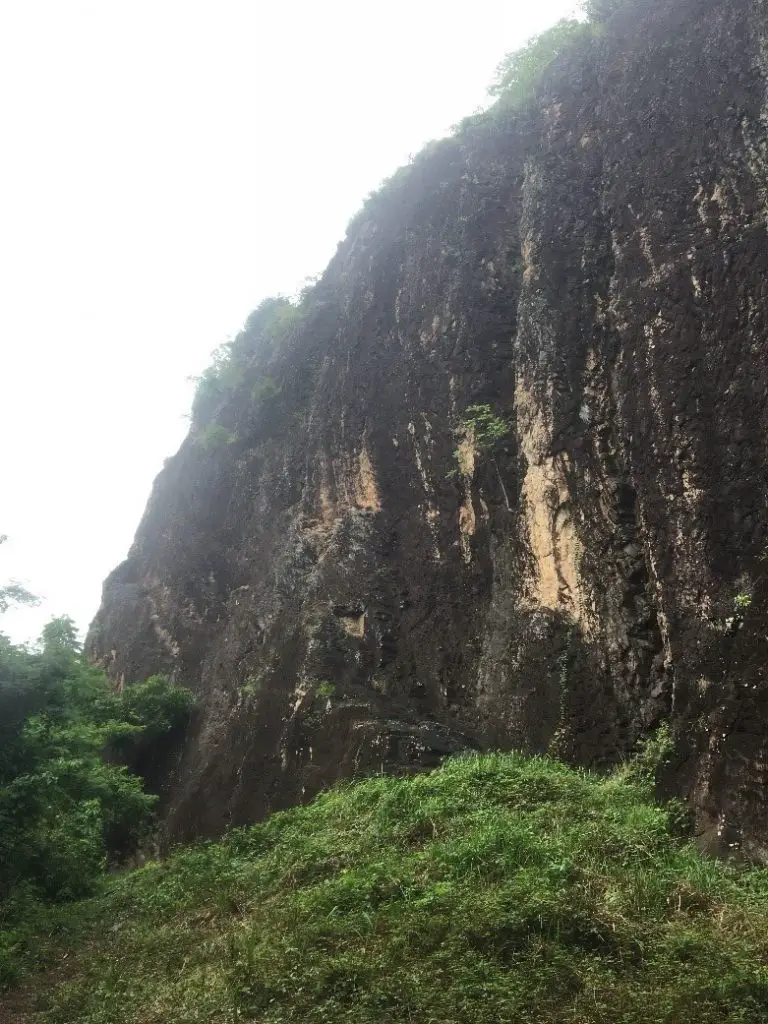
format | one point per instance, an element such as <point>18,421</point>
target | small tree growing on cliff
<point>213,436</point>
<point>486,431</point>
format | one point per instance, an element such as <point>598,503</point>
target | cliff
<point>350,581</point>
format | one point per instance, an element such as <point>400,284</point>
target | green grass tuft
<point>498,888</point>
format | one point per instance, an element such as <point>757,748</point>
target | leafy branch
<point>486,431</point>
<point>13,593</point>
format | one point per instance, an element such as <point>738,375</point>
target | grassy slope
<point>500,888</point>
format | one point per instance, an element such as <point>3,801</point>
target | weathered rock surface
<point>595,269</point>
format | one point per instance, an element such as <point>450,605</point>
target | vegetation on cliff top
<point>515,84</point>
<point>498,888</point>
<point>233,365</point>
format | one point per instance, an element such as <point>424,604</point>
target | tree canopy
<point>67,809</point>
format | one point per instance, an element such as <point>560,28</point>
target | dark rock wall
<point>346,594</point>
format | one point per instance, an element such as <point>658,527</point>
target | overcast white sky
<point>166,164</point>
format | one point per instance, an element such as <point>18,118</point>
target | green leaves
<point>486,429</point>
<point>482,431</point>
<point>13,593</point>
<point>61,634</point>
<point>153,709</point>
<point>64,809</point>
<point>520,73</point>
<point>601,10</point>
<point>742,603</point>
<point>269,325</point>
<point>213,436</point>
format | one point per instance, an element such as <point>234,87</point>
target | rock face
<point>350,584</point>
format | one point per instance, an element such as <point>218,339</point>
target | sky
<point>166,164</point>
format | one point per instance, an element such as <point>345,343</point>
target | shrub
<point>252,686</point>
<point>653,753</point>
<point>272,322</point>
<point>520,73</point>
<point>213,436</point>
<point>12,592</point>
<point>264,389</point>
<point>64,809</point>
<point>156,707</point>
<point>486,429</point>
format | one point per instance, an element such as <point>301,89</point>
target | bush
<point>64,809</point>
<point>213,436</point>
<point>484,427</point>
<point>156,706</point>
<point>273,322</point>
<point>520,73</point>
<point>264,390</point>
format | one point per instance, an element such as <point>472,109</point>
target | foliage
<point>521,72</point>
<point>498,888</point>
<point>653,753</point>
<point>13,593</point>
<point>264,389</point>
<point>308,286</point>
<point>422,163</point>
<point>215,381</point>
<point>213,436</point>
<point>741,603</point>
<point>558,745</point>
<point>252,686</point>
<point>64,809</point>
<point>516,84</point>
<point>600,10</point>
<point>273,317</point>
<point>325,689</point>
<point>486,429</point>
<point>155,708</point>
<point>271,323</point>
<point>60,635</point>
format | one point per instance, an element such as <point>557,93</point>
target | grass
<point>498,888</point>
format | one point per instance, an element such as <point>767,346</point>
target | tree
<point>60,634</point>
<point>66,810</point>
<point>486,431</point>
<point>13,593</point>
